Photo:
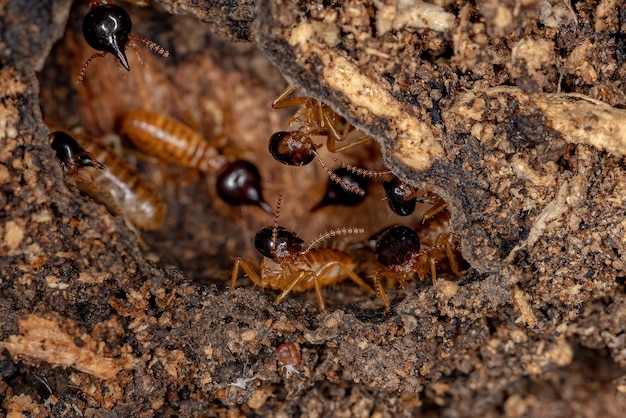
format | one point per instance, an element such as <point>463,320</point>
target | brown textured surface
<point>499,113</point>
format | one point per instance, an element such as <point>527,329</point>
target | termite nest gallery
<point>171,178</point>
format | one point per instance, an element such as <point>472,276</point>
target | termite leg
<point>288,289</point>
<point>248,268</point>
<point>332,146</point>
<point>433,269</point>
<point>430,213</point>
<point>351,274</point>
<point>454,264</point>
<point>318,293</point>
<point>381,291</point>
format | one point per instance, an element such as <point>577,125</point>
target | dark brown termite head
<point>292,148</point>
<point>239,183</point>
<point>107,28</point>
<point>397,246</point>
<point>70,154</point>
<point>277,242</point>
<point>396,190</point>
<point>338,193</point>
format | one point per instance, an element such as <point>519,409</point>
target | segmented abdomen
<point>135,197</point>
<point>171,141</point>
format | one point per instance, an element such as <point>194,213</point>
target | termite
<point>107,28</point>
<point>292,148</point>
<point>72,156</point>
<point>297,148</point>
<point>238,182</point>
<point>137,199</point>
<point>76,161</point>
<point>170,141</point>
<point>288,266</point>
<point>402,255</point>
<point>316,118</point>
<point>338,194</point>
<point>115,184</point>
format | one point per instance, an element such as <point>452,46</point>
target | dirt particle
<point>527,317</point>
<point>12,237</point>
<point>260,396</point>
<point>249,335</point>
<point>446,289</point>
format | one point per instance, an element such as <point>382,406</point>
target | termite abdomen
<point>136,198</point>
<point>170,140</point>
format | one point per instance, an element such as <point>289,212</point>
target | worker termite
<point>288,266</point>
<point>173,142</point>
<point>401,254</point>
<point>170,141</point>
<point>107,28</point>
<point>115,184</point>
<point>297,148</point>
<point>76,161</point>
<point>315,118</point>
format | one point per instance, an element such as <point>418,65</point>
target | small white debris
<point>242,382</point>
<point>289,370</point>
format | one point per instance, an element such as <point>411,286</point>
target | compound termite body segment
<point>170,141</point>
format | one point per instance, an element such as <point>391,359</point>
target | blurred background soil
<point>510,110</point>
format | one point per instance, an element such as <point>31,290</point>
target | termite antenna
<point>83,71</point>
<point>434,248</point>
<point>151,45</point>
<point>275,228</point>
<point>332,233</point>
<point>361,171</point>
<point>337,179</point>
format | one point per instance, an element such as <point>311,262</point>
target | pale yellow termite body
<point>170,141</point>
<point>137,201</point>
